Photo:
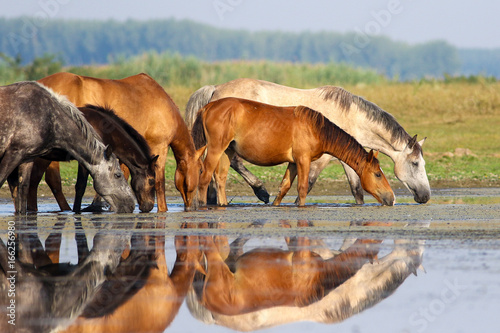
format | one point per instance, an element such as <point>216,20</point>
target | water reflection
<point>123,283</point>
<point>266,287</point>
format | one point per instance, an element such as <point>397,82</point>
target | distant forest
<point>84,42</point>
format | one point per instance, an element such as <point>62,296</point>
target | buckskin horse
<point>269,135</point>
<point>37,122</point>
<point>371,126</point>
<point>128,145</point>
<point>145,105</point>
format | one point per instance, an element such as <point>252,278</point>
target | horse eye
<point>415,164</point>
<point>118,175</point>
<point>378,175</point>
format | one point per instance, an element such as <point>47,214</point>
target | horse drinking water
<point>269,135</point>
<point>144,104</point>
<point>37,122</point>
<point>371,126</point>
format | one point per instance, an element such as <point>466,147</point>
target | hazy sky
<point>463,23</point>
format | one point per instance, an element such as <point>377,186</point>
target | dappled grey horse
<point>36,122</point>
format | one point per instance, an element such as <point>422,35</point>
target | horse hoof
<point>262,194</point>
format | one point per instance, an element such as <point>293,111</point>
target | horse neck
<point>182,144</point>
<point>385,134</point>
<point>344,147</point>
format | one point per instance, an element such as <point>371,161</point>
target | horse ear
<point>154,158</point>
<point>412,142</point>
<point>370,156</point>
<point>107,152</point>
<point>200,152</point>
<point>421,142</point>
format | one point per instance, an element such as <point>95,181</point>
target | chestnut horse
<point>369,124</point>
<point>268,135</point>
<point>145,105</point>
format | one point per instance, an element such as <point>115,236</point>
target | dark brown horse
<point>145,105</point>
<point>128,145</point>
<point>268,135</point>
<point>37,122</point>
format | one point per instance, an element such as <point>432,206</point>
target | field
<point>459,116</point>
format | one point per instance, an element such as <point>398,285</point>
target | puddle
<point>326,267</point>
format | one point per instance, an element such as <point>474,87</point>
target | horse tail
<point>198,99</point>
<point>198,132</point>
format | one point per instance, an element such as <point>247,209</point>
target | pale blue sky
<point>466,23</point>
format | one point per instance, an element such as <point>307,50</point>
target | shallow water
<point>451,243</point>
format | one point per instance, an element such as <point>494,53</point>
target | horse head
<point>110,183</point>
<point>187,176</point>
<point>374,182</point>
<point>143,184</point>
<point>409,168</point>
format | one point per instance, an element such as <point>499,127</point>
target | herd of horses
<point>133,121</point>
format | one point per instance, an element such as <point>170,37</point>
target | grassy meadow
<point>459,116</point>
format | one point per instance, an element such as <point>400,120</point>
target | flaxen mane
<point>345,99</point>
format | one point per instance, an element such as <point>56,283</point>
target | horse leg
<point>286,183</point>
<point>220,176</point>
<point>53,180</point>
<point>160,180</point>
<point>303,166</point>
<point>355,183</point>
<point>21,199</point>
<point>209,165</point>
<point>39,167</point>
<point>315,169</point>
<point>254,182</point>
<point>81,185</point>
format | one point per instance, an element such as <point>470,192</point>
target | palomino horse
<point>128,145</point>
<point>268,277</point>
<point>371,126</point>
<point>145,105</point>
<point>48,297</point>
<point>269,135</point>
<point>37,122</point>
<point>371,284</point>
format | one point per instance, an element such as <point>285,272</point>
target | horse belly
<point>265,154</point>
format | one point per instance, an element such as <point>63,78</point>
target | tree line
<point>84,42</point>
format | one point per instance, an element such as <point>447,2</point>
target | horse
<point>268,135</point>
<point>49,297</point>
<point>128,145</point>
<point>37,122</point>
<point>370,284</point>
<point>270,277</point>
<point>366,122</point>
<point>144,104</point>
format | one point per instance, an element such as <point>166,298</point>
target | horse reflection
<point>50,296</point>
<point>326,298</point>
<point>141,296</point>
